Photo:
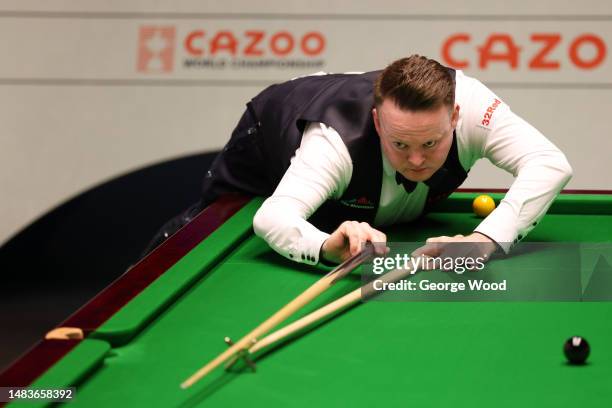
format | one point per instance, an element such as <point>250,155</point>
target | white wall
<point>76,110</point>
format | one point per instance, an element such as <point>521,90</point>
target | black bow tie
<point>409,185</point>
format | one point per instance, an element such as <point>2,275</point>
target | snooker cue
<point>305,297</point>
<point>325,311</point>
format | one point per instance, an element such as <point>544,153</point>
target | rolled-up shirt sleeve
<point>320,170</point>
<point>540,169</point>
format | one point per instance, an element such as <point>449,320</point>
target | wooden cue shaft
<point>316,289</point>
<point>317,315</point>
<point>325,311</point>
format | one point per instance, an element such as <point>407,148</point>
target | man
<point>340,155</point>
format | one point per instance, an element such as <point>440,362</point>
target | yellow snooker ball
<point>483,205</point>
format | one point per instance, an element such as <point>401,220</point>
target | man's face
<point>416,143</point>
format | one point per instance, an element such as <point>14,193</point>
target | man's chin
<point>418,175</point>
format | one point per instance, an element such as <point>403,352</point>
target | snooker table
<point>167,316</point>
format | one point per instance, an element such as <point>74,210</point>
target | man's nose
<point>416,160</point>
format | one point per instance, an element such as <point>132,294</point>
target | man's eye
<point>399,145</point>
<point>430,144</point>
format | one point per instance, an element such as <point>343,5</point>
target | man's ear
<point>376,120</point>
<point>455,116</point>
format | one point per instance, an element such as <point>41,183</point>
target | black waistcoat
<point>344,102</point>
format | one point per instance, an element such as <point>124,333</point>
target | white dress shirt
<point>321,169</point>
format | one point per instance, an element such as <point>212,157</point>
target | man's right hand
<point>349,239</point>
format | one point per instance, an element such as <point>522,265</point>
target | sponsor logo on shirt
<point>361,203</point>
<point>488,115</point>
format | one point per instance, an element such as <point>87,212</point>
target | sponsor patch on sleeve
<point>487,116</point>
